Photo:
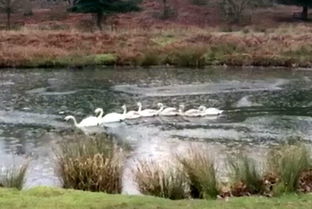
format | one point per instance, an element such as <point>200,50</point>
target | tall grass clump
<point>246,177</point>
<point>13,177</point>
<point>161,181</point>
<point>92,164</point>
<point>188,56</point>
<point>288,162</point>
<point>200,169</point>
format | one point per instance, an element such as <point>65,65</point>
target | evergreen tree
<point>304,3</point>
<point>104,8</point>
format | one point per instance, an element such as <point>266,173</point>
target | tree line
<point>105,8</point>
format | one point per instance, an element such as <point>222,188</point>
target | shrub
<point>236,11</point>
<point>289,162</point>
<point>245,175</point>
<point>188,56</point>
<point>201,172</point>
<point>150,57</point>
<point>200,2</point>
<point>159,181</point>
<point>13,177</point>
<point>92,164</point>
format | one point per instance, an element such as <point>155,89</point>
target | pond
<point>263,107</point>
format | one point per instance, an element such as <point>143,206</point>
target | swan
<point>111,118</point>
<point>131,114</point>
<point>168,111</point>
<point>148,112</point>
<point>191,112</point>
<point>211,111</point>
<point>87,122</point>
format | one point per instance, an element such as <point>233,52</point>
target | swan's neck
<point>125,110</point>
<point>160,109</point>
<point>75,121</point>
<point>101,114</point>
<point>140,108</point>
<point>181,110</point>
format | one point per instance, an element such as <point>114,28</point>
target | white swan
<point>87,122</point>
<point>111,118</point>
<point>168,111</point>
<point>148,112</point>
<point>131,114</point>
<point>191,112</point>
<point>211,111</point>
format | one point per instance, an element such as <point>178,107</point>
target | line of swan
<point>110,117</point>
<point>114,117</point>
<point>211,111</point>
<point>168,111</point>
<point>131,114</point>
<point>89,121</point>
<point>148,112</point>
<point>191,112</point>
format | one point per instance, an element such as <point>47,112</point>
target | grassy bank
<point>187,47</point>
<point>49,198</point>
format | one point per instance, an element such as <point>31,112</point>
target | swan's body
<point>168,111</point>
<point>89,121</point>
<point>148,112</point>
<point>191,112</point>
<point>111,118</point>
<point>131,114</point>
<point>211,111</point>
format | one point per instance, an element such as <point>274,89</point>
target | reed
<point>161,181</point>
<point>92,164</point>
<point>289,162</point>
<point>13,177</point>
<point>200,169</point>
<point>246,178</point>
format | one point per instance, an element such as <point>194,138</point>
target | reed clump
<point>161,181</point>
<point>92,164</point>
<point>247,179</point>
<point>290,163</point>
<point>13,177</point>
<point>199,167</point>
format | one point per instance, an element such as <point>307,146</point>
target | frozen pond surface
<point>263,107</point>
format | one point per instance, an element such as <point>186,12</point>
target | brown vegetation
<point>191,47</point>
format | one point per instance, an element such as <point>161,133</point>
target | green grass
<point>50,198</point>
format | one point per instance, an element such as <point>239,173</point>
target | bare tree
<point>9,7</point>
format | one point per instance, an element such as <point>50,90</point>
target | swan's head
<point>139,104</point>
<point>160,105</point>
<point>202,108</point>
<point>124,107</point>
<point>98,111</point>
<point>69,117</point>
<point>181,107</point>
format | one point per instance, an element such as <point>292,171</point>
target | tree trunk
<point>165,11</point>
<point>9,19</point>
<point>99,20</point>
<point>305,11</point>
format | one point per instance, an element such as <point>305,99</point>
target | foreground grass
<point>50,198</point>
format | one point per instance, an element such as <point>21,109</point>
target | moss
<point>104,59</point>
